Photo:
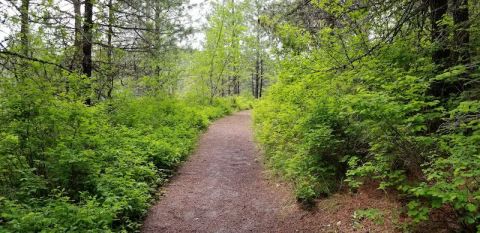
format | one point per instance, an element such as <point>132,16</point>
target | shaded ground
<point>222,188</point>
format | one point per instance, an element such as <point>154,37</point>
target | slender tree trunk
<point>87,38</point>
<point>261,79</point>
<point>87,43</point>
<point>257,74</point>
<point>135,67</point>
<point>260,89</point>
<point>253,84</point>
<point>229,85</point>
<point>258,59</point>
<point>236,46</point>
<point>77,56</point>
<point>25,26</point>
<point>110,49</point>
<point>237,85</point>
<point>223,87</point>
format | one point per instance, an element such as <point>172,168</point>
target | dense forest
<point>101,100</point>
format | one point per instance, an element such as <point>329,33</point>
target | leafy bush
<point>319,129</point>
<point>67,167</point>
<point>298,130</point>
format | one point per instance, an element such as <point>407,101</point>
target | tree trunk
<point>25,26</point>
<point>237,86</point>
<point>261,79</point>
<point>87,38</point>
<point>77,57</point>
<point>230,85</point>
<point>258,57</point>
<point>236,46</point>
<point>257,75</point>
<point>87,43</point>
<point>253,84</point>
<point>110,49</point>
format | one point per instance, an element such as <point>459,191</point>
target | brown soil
<point>223,188</point>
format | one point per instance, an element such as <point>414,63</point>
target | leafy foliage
<point>70,167</point>
<point>95,112</point>
<point>324,124</point>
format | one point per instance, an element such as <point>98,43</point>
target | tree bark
<point>237,86</point>
<point>235,40</point>
<point>257,75</point>
<point>110,49</point>
<point>87,65</point>
<point>25,26</point>
<point>87,38</point>
<point>253,84</point>
<point>261,79</point>
<point>77,57</point>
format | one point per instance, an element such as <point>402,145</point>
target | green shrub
<point>67,167</point>
<point>376,122</point>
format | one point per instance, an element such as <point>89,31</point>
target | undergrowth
<point>68,167</point>
<point>321,130</point>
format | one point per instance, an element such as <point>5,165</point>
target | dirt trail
<point>222,188</point>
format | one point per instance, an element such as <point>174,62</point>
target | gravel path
<point>223,188</point>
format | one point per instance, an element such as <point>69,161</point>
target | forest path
<point>222,188</point>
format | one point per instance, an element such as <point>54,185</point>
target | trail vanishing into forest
<point>222,187</point>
